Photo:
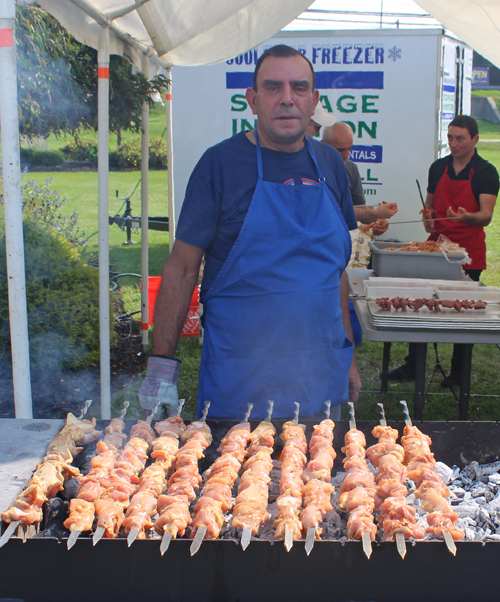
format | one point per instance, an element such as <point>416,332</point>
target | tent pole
<point>170,162</point>
<point>103,169</point>
<point>145,213</point>
<point>11,167</point>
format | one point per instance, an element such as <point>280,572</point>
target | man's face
<point>343,142</point>
<point>461,143</point>
<point>284,102</point>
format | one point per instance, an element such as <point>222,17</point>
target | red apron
<point>455,194</point>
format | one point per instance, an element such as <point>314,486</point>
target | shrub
<point>47,158</point>
<point>81,150</point>
<point>157,153</point>
<point>129,154</point>
<point>42,205</point>
<point>63,301</point>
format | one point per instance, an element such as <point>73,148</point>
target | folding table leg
<point>465,380</point>
<point>419,396</point>
<point>386,358</point>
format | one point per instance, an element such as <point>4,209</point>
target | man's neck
<point>284,148</point>
<point>461,163</point>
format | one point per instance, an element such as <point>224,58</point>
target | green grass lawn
<point>80,190</point>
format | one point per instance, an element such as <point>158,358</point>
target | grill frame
<point>43,570</point>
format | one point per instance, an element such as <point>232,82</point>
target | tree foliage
<point>57,81</point>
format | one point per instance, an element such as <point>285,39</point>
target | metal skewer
<point>311,531</point>
<point>73,536</point>
<point>288,529</point>
<point>165,541</point>
<point>205,411</point>
<point>246,535</point>
<point>149,419</point>
<point>132,536</point>
<point>328,405</point>
<point>201,531</point>
<point>401,544</point>
<point>270,410</point>
<point>352,419</point>
<point>382,421</point>
<point>180,406</point>
<point>85,409</point>
<point>124,409</point>
<point>9,532</point>
<point>420,193</point>
<point>448,539</point>
<point>99,532</point>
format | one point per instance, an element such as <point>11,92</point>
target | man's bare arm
<point>354,378</point>
<point>428,213</point>
<point>180,275</point>
<point>478,218</point>
<point>368,215</point>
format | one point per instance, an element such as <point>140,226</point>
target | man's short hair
<point>282,51</point>
<point>464,121</point>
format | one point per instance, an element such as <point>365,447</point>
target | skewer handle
<point>450,544</point>
<point>85,409</point>
<point>132,536</point>
<point>180,406</point>
<point>165,542</point>
<point>124,409</point>
<point>328,405</point>
<point>406,413</point>
<point>367,542</point>
<point>352,419</point>
<point>383,421</point>
<point>149,419</point>
<point>73,536</point>
<point>288,538</point>
<point>98,533</point>
<point>270,410</point>
<point>197,541</point>
<point>296,413</point>
<point>248,412</point>
<point>205,411</point>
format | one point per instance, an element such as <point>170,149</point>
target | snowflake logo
<point>394,53</point>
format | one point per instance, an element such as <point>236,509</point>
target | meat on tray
<point>402,303</point>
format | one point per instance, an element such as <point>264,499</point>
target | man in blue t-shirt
<point>266,226</point>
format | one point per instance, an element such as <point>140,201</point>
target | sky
<point>362,14</point>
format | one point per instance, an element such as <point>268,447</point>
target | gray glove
<point>161,384</point>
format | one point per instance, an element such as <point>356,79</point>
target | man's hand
<point>160,385</point>
<point>380,226</point>
<point>461,214</point>
<point>427,218</point>
<point>385,210</point>
<point>354,382</point>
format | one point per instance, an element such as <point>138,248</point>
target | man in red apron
<point>271,210</point>
<point>462,186</point>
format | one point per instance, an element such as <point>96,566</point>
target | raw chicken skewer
<point>114,435</point>
<point>317,488</point>
<point>153,483</point>
<point>357,490</point>
<point>173,507</point>
<point>51,474</point>
<point>216,494</point>
<point>430,488</point>
<point>130,463</point>
<point>250,509</point>
<point>397,516</point>
<point>293,461</point>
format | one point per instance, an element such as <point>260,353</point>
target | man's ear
<point>476,139</point>
<point>250,96</point>
<point>315,98</point>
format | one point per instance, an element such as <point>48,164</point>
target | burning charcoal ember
<point>56,511</point>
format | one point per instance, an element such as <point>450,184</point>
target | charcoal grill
<point>43,570</point>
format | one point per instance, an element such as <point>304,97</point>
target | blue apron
<point>273,322</point>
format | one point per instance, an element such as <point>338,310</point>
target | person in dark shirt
<point>462,191</point>
<point>271,210</point>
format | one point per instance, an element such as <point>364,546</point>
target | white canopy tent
<point>476,22</point>
<point>151,34</point>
